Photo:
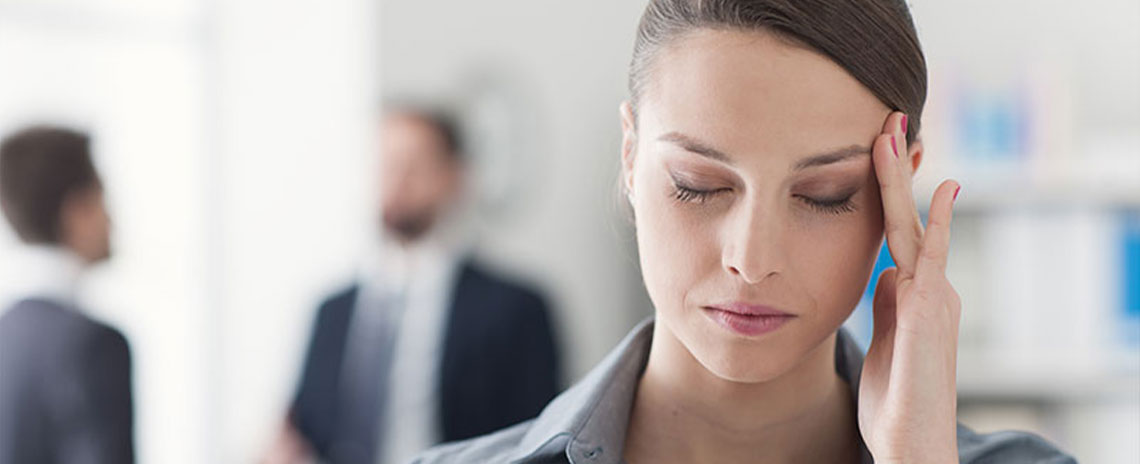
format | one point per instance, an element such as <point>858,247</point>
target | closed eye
<point>838,205</point>
<point>692,195</point>
<point>835,205</point>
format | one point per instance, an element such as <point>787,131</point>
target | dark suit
<point>499,364</point>
<point>65,388</point>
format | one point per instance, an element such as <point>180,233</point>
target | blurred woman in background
<point>769,145</point>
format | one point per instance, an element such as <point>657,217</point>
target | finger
<point>900,217</point>
<point>896,126</point>
<point>936,241</point>
<point>884,304</point>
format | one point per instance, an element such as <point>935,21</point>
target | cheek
<point>834,257</point>
<point>676,247</point>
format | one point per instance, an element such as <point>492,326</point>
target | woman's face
<point>750,175</point>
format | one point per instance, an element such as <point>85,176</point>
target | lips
<point>748,319</point>
<point>746,309</point>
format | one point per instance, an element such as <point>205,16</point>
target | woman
<point>769,145</point>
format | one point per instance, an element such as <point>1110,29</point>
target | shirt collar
<point>42,271</point>
<point>591,417</point>
<point>390,267</point>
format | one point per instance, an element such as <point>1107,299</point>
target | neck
<point>684,413</point>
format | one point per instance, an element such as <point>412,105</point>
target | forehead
<point>408,129</point>
<point>752,91</point>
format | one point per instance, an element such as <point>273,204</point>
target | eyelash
<point>691,195</point>
<point>830,206</point>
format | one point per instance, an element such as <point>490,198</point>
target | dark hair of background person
<point>40,167</point>
<point>444,123</point>
<point>874,40</point>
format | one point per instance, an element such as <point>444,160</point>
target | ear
<point>916,151</point>
<point>70,210</point>
<point>628,146</point>
<point>73,212</point>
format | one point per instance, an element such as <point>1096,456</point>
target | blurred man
<point>65,379</point>
<point>426,347</point>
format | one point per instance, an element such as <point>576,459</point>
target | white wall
<point>295,85</point>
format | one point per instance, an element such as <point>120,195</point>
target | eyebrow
<point>833,156</point>
<point>829,157</point>
<point>695,146</point>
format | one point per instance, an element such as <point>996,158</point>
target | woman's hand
<point>907,397</point>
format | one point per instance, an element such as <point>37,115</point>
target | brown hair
<point>40,167</point>
<point>874,40</point>
<point>443,122</point>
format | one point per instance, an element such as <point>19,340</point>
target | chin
<point>739,360</point>
<point>744,364</point>
<point>101,256</point>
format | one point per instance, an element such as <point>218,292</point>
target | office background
<point>235,140</point>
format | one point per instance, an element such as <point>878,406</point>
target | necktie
<point>365,380</point>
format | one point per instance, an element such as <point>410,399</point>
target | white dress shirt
<point>422,277</point>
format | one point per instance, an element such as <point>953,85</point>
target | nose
<point>753,246</point>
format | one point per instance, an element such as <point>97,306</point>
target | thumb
<point>884,303</point>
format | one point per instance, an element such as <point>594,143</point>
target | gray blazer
<point>65,388</point>
<point>587,423</point>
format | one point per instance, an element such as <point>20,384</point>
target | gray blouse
<point>587,423</point>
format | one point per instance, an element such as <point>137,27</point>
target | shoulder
<point>1008,447</point>
<point>343,298</point>
<point>61,343</point>
<point>47,322</point>
<point>40,315</point>
<point>508,292</point>
<point>99,345</point>
<point>336,308</point>
<point>495,447</point>
<point>107,341</point>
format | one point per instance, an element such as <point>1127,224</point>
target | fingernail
<point>904,124</point>
<point>956,192</point>
<point>894,147</point>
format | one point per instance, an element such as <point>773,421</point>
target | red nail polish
<point>904,124</point>
<point>956,192</point>
<point>894,146</point>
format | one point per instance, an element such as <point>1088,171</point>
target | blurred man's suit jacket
<point>498,365</point>
<point>65,388</point>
